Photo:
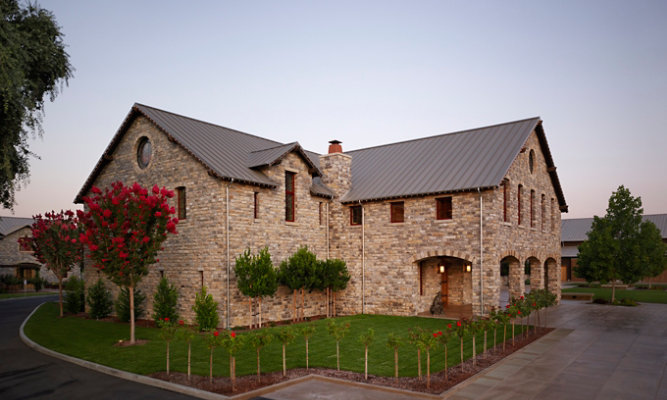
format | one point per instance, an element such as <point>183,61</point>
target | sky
<point>369,73</point>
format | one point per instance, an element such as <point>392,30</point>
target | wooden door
<point>444,292</point>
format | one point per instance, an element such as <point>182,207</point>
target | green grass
<point>24,294</point>
<point>94,341</point>
<point>642,296</point>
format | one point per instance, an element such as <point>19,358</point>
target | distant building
<point>413,220</point>
<point>575,231</point>
<point>14,260</point>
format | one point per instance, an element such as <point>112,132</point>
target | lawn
<point>642,296</point>
<point>94,341</point>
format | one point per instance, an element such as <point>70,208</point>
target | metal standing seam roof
<point>9,225</point>
<point>466,160</point>
<point>225,152</point>
<point>576,230</point>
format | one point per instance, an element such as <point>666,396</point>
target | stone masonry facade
<point>393,266</point>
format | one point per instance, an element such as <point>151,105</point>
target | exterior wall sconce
<point>441,268</point>
<point>468,267</point>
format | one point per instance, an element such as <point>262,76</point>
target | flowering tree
<point>461,329</point>
<point>187,333</point>
<point>233,344</point>
<point>444,338</point>
<point>55,243</point>
<point>124,230</point>
<point>212,341</point>
<point>167,333</point>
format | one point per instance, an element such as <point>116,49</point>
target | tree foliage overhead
<point>621,246</point>
<point>33,65</point>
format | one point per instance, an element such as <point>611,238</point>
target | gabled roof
<point>225,153</point>
<point>460,161</point>
<point>9,225</point>
<point>274,155</point>
<point>576,230</point>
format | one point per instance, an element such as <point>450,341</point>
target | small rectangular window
<point>518,202</point>
<point>443,208</point>
<point>256,205</point>
<point>180,194</point>
<point>321,209</point>
<point>355,215</point>
<point>532,208</point>
<point>506,199</point>
<point>289,196</point>
<point>397,211</point>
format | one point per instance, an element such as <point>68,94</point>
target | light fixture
<point>441,268</point>
<point>468,266</point>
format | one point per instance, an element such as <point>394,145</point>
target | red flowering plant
<point>233,343</point>
<point>125,227</point>
<point>55,242</point>
<point>461,329</point>
<point>213,340</point>
<point>187,333</point>
<point>514,311</point>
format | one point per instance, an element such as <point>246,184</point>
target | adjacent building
<point>415,220</point>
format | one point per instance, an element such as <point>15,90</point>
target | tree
<point>307,331</point>
<point>258,340</point>
<point>206,310</point>
<point>167,333</point>
<point>299,272</point>
<point>366,339</point>
<point>55,242</point>
<point>333,278</point>
<point>620,246</point>
<point>338,331</point>
<point>125,229</point>
<point>394,342</point>
<point>99,300</point>
<point>165,301</point>
<point>187,333</point>
<point>256,277</point>
<point>34,65</point>
<point>285,336</point>
<point>233,344</point>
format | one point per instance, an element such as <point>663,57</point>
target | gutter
<point>481,251</point>
<point>363,260</point>
<point>229,264</point>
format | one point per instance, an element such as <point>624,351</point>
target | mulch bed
<point>438,383</point>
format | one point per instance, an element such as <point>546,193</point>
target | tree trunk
<point>446,362</point>
<point>259,305</point>
<point>495,331</point>
<point>334,303</point>
<point>461,353</point>
<point>294,316</point>
<point>484,352</point>
<point>474,359</point>
<point>512,332</point>
<point>233,373</point>
<point>396,364</point>
<point>167,358</point>
<point>60,294</point>
<point>259,379</point>
<point>419,364</point>
<point>428,369</point>
<point>252,317</point>
<point>504,335</point>
<point>131,292</point>
<point>210,368</point>
<point>306,354</point>
<point>366,362</point>
<point>303,307</point>
<point>189,358</point>
<point>284,364</point>
<point>337,356</point>
<point>613,290</point>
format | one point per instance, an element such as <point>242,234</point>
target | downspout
<point>481,251</point>
<point>363,260</point>
<point>328,240</point>
<point>229,264</point>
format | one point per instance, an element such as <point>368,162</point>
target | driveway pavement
<point>27,374</point>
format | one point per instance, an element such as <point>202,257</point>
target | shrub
<point>123,304</point>
<point>626,302</point>
<point>99,300</point>
<point>38,282</point>
<point>599,300</point>
<point>165,301</point>
<point>206,311</point>
<point>74,299</point>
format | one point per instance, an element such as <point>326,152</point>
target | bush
<point>75,296</point>
<point>99,300</point>
<point>599,300</point>
<point>206,311</point>
<point>123,304</point>
<point>165,301</point>
<point>38,282</point>
<point>626,303</point>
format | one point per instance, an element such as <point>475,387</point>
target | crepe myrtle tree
<point>125,227</point>
<point>55,243</point>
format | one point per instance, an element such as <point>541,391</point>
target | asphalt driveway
<point>27,374</point>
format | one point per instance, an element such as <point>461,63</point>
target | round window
<point>144,152</point>
<point>531,160</point>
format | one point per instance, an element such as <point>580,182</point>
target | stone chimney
<point>336,169</point>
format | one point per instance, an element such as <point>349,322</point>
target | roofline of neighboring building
<point>407,196</point>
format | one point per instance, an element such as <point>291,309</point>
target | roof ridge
<point>206,122</point>
<point>444,134</point>
<point>275,147</point>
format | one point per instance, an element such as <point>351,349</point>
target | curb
<point>174,387</point>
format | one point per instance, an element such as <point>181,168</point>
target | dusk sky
<point>370,73</point>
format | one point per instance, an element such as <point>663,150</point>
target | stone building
<point>411,219</point>
<point>13,259</point>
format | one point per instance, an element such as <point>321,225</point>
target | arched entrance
<point>445,286</point>
<point>515,279</point>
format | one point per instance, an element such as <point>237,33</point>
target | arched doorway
<point>445,286</point>
<point>515,279</point>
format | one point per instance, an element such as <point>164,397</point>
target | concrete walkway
<point>597,352</point>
